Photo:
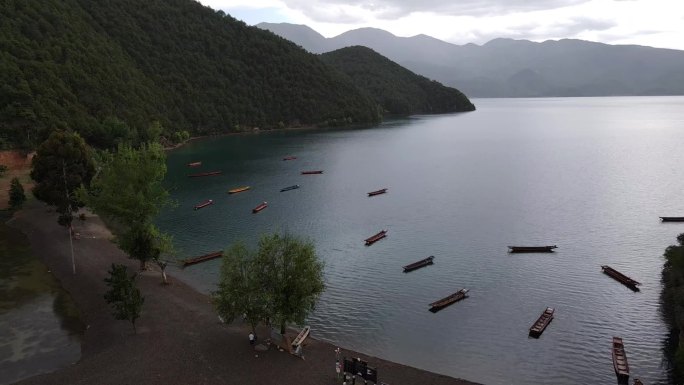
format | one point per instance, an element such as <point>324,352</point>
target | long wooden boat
<point>202,258</point>
<point>194,164</point>
<point>419,264</point>
<point>290,158</point>
<point>638,382</point>
<point>620,361</point>
<point>531,249</point>
<point>210,173</point>
<point>623,279</point>
<point>204,204</point>
<point>238,190</point>
<point>542,322</point>
<point>311,172</point>
<point>371,240</point>
<point>293,187</point>
<point>672,219</point>
<point>301,337</point>
<point>446,301</point>
<point>377,192</point>
<point>260,207</point>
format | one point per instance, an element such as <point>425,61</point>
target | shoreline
<point>180,339</point>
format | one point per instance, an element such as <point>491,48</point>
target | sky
<point>656,23</point>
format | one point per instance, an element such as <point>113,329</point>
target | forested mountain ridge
<point>108,69</point>
<point>396,89</point>
<point>515,68</point>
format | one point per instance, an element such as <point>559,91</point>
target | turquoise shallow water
<point>590,175</point>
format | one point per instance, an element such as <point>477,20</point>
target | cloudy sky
<point>657,23</point>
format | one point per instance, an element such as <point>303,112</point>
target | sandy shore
<point>179,340</point>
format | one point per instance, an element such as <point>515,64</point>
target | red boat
<point>194,164</point>
<point>377,192</point>
<point>205,174</point>
<point>290,158</point>
<point>260,207</point>
<point>202,258</point>
<point>375,238</point>
<point>312,172</point>
<point>204,204</point>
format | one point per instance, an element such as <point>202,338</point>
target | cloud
<point>393,9</point>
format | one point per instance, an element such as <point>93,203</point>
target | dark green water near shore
<point>40,329</point>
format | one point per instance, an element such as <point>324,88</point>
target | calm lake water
<point>40,329</point>
<point>590,175</point>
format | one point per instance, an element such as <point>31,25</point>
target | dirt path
<point>180,339</point>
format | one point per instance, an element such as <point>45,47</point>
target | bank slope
<point>396,89</point>
<point>75,63</point>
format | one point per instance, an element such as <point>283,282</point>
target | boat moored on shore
<point>532,249</point>
<point>260,207</point>
<point>620,361</point>
<point>239,190</point>
<point>623,279</point>
<point>194,164</point>
<point>202,258</point>
<point>371,240</point>
<point>204,204</point>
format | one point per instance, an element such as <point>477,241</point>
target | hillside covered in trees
<point>111,69</point>
<point>396,89</point>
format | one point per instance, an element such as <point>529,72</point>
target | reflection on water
<point>40,329</point>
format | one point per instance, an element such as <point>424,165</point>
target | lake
<point>591,175</point>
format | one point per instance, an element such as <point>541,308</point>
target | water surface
<point>590,175</point>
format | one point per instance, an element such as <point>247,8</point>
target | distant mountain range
<point>515,68</point>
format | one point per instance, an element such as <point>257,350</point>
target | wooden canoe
<point>446,301</point>
<point>204,204</point>
<point>311,172</point>
<point>210,173</point>
<point>293,187</point>
<point>371,240</point>
<point>419,264</point>
<point>194,164</point>
<point>377,192</point>
<point>301,337</point>
<point>202,258</point>
<point>623,279</point>
<point>290,158</point>
<point>620,361</point>
<point>672,219</point>
<point>260,207</point>
<point>531,249</point>
<point>542,322</point>
<point>238,190</point>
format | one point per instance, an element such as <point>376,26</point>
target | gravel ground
<point>180,339</point>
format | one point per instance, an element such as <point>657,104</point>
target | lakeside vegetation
<point>398,90</point>
<point>673,301</point>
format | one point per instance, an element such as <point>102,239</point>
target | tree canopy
<point>395,88</point>
<point>123,295</point>
<point>83,65</point>
<point>62,164</point>
<point>673,301</point>
<point>279,283</point>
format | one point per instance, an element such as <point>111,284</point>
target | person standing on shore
<point>252,337</point>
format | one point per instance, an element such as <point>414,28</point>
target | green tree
<point>16,195</point>
<point>62,164</point>
<point>3,170</point>
<point>129,190</point>
<point>239,292</point>
<point>291,274</point>
<point>673,302</point>
<point>123,295</point>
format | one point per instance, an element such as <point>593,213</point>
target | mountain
<point>109,69</point>
<point>396,89</point>
<point>520,68</point>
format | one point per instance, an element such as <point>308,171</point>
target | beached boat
<point>210,173</point>
<point>238,190</point>
<point>204,204</point>
<point>301,337</point>
<point>620,361</point>
<point>531,249</point>
<point>419,264</point>
<point>293,187</point>
<point>260,207</point>
<point>672,219</point>
<point>446,301</point>
<point>377,192</point>
<point>542,322</point>
<point>194,164</point>
<point>202,258</point>
<point>623,279</point>
<point>311,172</point>
<point>290,158</point>
<point>371,240</point>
